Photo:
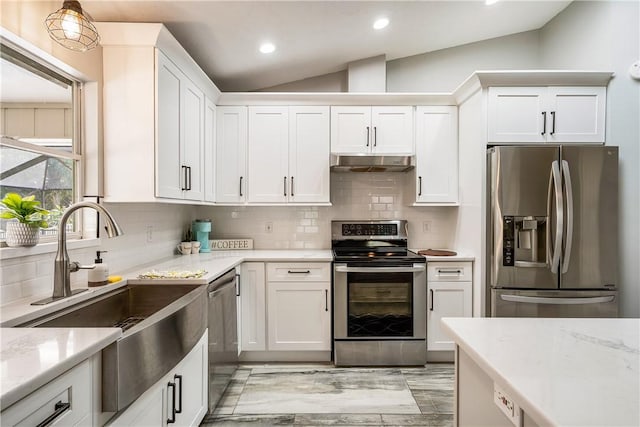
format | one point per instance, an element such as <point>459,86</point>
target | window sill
<point>45,248</point>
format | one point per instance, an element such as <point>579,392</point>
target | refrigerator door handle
<point>555,189</point>
<point>557,301</point>
<point>566,175</point>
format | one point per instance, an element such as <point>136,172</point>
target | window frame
<point>32,63</point>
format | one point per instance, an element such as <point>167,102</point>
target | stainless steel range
<point>380,296</point>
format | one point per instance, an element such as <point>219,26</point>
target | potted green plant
<point>29,215</point>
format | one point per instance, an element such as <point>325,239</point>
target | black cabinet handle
<point>299,271</point>
<point>172,419</point>
<point>58,409</point>
<point>544,123</point>
<point>291,186</point>
<point>240,186</point>
<point>326,300</point>
<point>179,407</point>
<point>188,178</point>
<point>285,186</point>
<point>368,135</point>
<point>375,136</point>
<point>553,123</point>
<point>431,305</point>
<point>183,187</point>
<point>419,186</point>
<point>237,285</point>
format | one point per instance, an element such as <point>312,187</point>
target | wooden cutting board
<point>436,252</point>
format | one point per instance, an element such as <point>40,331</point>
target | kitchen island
<point>546,372</point>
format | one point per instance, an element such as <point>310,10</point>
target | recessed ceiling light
<point>380,23</point>
<point>490,2</point>
<point>267,47</point>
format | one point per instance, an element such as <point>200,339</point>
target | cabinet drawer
<point>298,271</point>
<point>449,271</point>
<point>72,389</point>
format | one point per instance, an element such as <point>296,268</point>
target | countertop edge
<point>30,385</point>
<point>536,413</point>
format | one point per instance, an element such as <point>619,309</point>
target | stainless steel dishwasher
<point>223,334</point>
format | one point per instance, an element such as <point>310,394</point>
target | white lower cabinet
<point>65,401</point>
<point>179,398</point>
<point>449,287</point>
<point>285,307</point>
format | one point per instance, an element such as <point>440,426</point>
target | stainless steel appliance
<point>552,231</point>
<point>379,295</point>
<point>223,334</point>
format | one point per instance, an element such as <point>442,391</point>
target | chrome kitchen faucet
<point>64,267</point>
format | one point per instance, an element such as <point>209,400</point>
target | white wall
<point>605,35</point>
<point>444,70</point>
<point>334,82</point>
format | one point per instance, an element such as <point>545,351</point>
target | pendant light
<point>72,28</point>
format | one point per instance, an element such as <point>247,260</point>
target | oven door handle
<point>414,269</point>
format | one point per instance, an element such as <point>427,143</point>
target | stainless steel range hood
<point>371,163</point>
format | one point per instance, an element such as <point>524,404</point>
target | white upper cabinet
<point>268,154</point>
<point>231,154</point>
<point>156,117</point>
<point>309,155</point>
<point>554,114</point>
<point>436,171</point>
<point>372,130</point>
<point>288,155</point>
<point>209,151</point>
<point>180,121</point>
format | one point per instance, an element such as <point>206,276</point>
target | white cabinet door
<point>309,155</point>
<point>147,410</point>
<point>392,130</point>
<point>209,151</point>
<point>169,171</point>
<point>268,155</point>
<point>192,122</point>
<point>350,130</point>
<point>517,114</point>
<point>299,315</point>
<point>436,154</point>
<point>191,381</point>
<point>445,299</point>
<point>576,114</point>
<point>252,302</point>
<point>231,152</point>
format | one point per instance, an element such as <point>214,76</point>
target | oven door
<point>380,302</point>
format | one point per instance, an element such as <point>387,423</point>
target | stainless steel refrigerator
<point>552,231</point>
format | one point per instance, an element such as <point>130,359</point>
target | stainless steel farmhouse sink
<point>160,323</point>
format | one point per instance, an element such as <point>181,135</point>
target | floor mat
<point>323,391</point>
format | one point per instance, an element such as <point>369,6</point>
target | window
<point>40,149</point>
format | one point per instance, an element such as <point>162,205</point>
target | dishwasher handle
<point>221,283</point>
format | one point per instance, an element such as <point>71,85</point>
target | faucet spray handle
<point>75,266</point>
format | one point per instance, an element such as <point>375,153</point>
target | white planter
<point>19,234</point>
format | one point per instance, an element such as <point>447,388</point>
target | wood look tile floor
<point>321,395</point>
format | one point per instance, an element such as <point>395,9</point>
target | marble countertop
<point>31,357</point>
<point>560,371</point>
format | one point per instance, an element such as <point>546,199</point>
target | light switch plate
<point>507,405</point>
<point>634,70</point>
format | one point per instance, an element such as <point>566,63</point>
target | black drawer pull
<point>59,409</point>
<point>299,271</point>
<point>431,305</point>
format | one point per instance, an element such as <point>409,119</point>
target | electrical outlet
<point>506,405</point>
<point>268,227</point>
<point>149,233</point>
<point>426,226</point>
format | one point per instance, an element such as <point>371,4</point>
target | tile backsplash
<point>153,230</point>
<point>353,196</point>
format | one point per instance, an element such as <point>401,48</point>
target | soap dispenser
<point>99,275</point>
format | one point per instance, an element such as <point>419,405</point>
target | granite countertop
<point>31,357</point>
<point>560,371</point>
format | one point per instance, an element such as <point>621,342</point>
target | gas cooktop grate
<point>129,322</point>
